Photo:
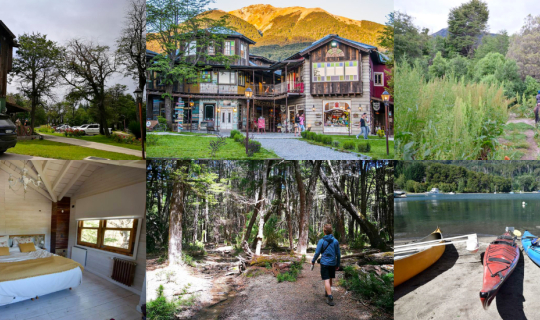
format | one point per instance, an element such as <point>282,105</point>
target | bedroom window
<point>114,235</point>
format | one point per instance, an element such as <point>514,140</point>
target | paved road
<point>294,149</point>
<point>92,145</point>
<point>14,156</point>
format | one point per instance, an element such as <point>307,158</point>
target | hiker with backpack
<point>328,248</point>
<point>536,119</point>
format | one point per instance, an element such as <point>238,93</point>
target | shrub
<point>335,143</point>
<point>162,120</point>
<point>348,145</point>
<point>380,133</point>
<point>304,134</point>
<point>318,137</point>
<point>233,133</point>
<point>135,128</point>
<point>253,147</point>
<point>160,309</point>
<point>327,140</point>
<point>239,138</point>
<point>312,135</point>
<point>379,290</point>
<point>292,275</point>
<point>45,129</point>
<point>364,147</point>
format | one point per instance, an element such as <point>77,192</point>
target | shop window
<point>209,112</point>
<point>337,114</point>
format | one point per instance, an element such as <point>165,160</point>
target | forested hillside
<point>468,176</point>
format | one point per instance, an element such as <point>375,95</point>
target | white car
<point>84,126</point>
<point>92,129</point>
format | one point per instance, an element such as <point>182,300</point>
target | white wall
<point>24,214</point>
<point>112,192</point>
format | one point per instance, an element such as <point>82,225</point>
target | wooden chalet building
<point>7,43</point>
<point>333,82</point>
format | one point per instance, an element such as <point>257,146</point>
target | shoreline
<point>449,289</point>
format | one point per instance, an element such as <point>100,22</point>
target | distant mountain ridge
<point>444,33</point>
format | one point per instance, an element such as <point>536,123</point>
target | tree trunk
<point>168,108</point>
<point>257,208</point>
<point>263,209</point>
<point>370,230</point>
<point>306,202</point>
<point>175,220</point>
<point>33,115</point>
<point>196,222</point>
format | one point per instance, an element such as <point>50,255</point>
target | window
<point>229,48</point>
<point>243,51</point>
<point>335,71</point>
<point>206,76</point>
<point>227,77</point>
<point>114,235</point>
<point>241,79</point>
<point>211,49</point>
<point>378,79</point>
<point>191,48</point>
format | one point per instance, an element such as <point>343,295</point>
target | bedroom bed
<point>28,275</point>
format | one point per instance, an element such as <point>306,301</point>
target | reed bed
<point>447,118</point>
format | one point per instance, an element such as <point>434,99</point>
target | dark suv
<point>8,133</point>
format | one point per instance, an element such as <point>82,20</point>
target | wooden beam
<point>7,169</point>
<point>82,169</point>
<point>65,169</point>
<point>39,165</point>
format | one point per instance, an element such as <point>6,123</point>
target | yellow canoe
<point>411,264</point>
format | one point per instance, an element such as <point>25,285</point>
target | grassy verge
<point>198,148</point>
<point>379,291</point>
<point>101,139</point>
<point>57,150</point>
<point>378,145</point>
<point>162,309</point>
<point>515,143</point>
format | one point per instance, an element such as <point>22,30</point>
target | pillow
<point>4,251</point>
<point>18,240</point>
<point>14,249</point>
<point>27,247</point>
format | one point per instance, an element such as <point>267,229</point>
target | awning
<point>13,108</point>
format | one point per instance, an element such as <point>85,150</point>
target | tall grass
<point>446,118</point>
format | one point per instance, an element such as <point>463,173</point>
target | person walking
<point>296,124</point>
<point>328,249</point>
<point>363,127</point>
<point>302,127</point>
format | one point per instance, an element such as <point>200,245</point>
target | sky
<point>375,11</point>
<point>503,14</point>
<point>62,20</point>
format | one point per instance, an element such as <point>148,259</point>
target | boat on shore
<point>410,262</point>
<point>531,250</point>
<point>500,260</point>
<point>434,191</point>
<point>400,194</point>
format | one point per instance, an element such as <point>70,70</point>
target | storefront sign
<point>376,106</point>
<point>335,52</point>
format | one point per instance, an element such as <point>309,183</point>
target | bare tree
<point>87,67</point>
<point>306,202</point>
<point>132,44</point>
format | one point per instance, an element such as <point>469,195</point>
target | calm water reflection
<point>484,214</point>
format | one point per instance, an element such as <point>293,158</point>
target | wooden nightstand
<point>61,252</point>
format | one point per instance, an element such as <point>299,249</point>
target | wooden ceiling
<point>61,178</point>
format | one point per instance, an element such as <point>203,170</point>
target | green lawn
<point>182,147</point>
<point>378,145</point>
<point>56,150</point>
<point>101,139</point>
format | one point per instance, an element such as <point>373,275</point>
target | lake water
<point>484,214</point>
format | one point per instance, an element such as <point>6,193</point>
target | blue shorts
<point>328,272</point>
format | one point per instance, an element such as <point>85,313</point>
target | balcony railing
<point>271,90</point>
<point>154,85</point>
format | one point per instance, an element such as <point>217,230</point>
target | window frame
<point>241,79</point>
<point>102,228</point>
<point>375,78</point>
<point>211,49</point>
<point>191,46</point>
<point>330,71</point>
<point>229,72</point>
<point>231,48</point>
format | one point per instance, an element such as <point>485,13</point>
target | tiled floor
<point>94,299</point>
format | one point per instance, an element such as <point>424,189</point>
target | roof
<point>229,32</point>
<point>330,37</point>
<point>14,108</point>
<point>5,30</point>
<point>265,59</point>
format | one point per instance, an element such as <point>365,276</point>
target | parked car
<point>93,129</point>
<point>62,128</point>
<point>8,133</point>
<point>82,127</point>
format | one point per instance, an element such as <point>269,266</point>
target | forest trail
<point>533,151</point>
<point>266,299</point>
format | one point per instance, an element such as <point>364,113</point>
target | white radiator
<point>79,255</point>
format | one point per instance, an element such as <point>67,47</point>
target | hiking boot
<point>330,300</point>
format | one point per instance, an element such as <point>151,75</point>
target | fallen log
<point>359,255</point>
<point>377,258</point>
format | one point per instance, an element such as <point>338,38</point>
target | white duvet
<point>23,289</point>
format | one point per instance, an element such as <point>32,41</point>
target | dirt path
<point>533,151</point>
<point>264,298</point>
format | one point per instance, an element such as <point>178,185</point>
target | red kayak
<point>500,260</point>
